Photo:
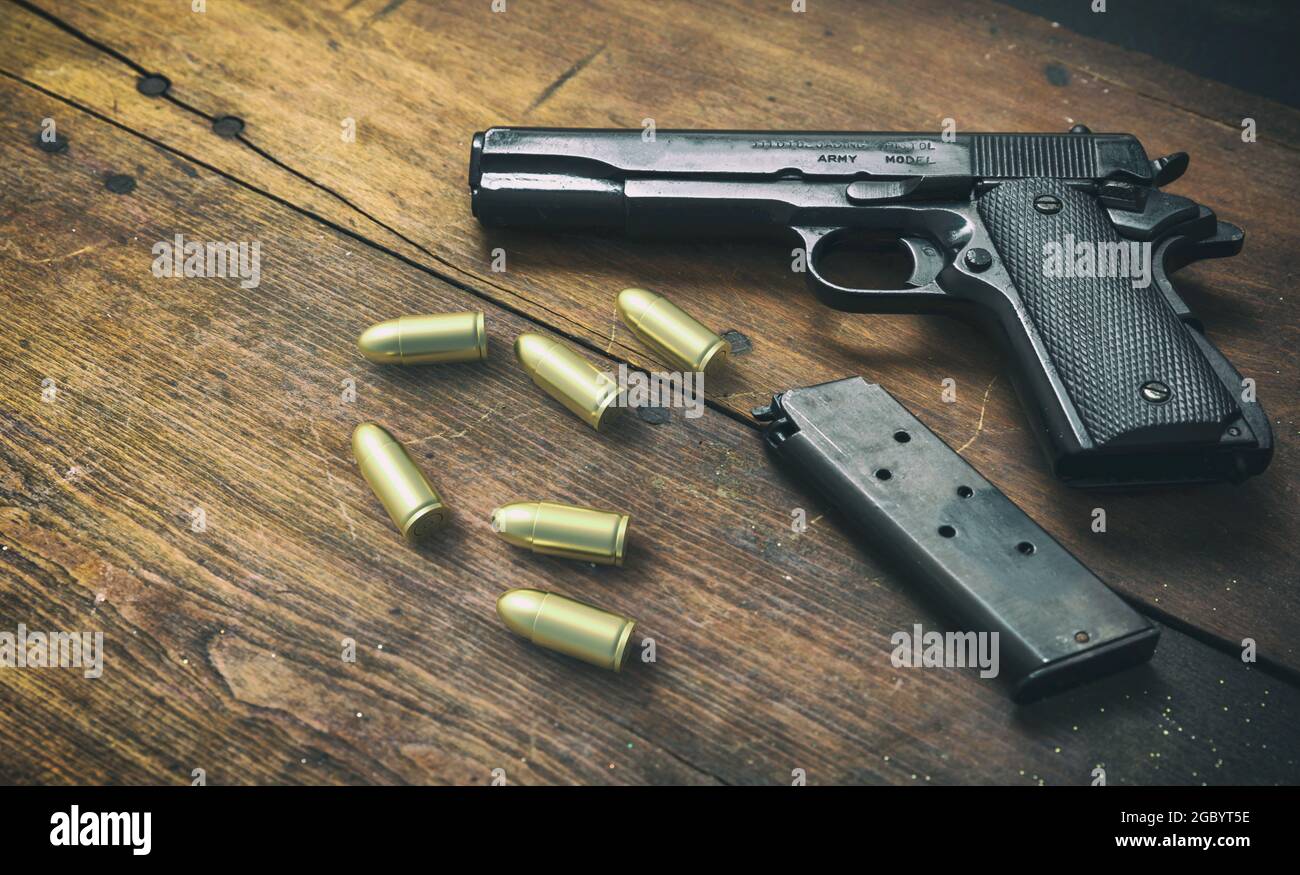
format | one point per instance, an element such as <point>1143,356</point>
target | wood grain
<point>420,78</point>
<point>224,645</point>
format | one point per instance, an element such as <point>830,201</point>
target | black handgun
<point>1040,239</point>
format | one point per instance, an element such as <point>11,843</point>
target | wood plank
<point>295,73</point>
<point>223,646</point>
<point>1106,65</point>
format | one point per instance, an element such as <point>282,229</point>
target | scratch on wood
<point>456,434</point>
<point>979,426</point>
<point>343,511</point>
<point>613,331</point>
<point>333,484</point>
<point>568,74</point>
<point>21,256</point>
<point>453,434</point>
<point>529,412</point>
<point>758,393</point>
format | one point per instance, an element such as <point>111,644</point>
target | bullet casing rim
<point>414,535</point>
<point>620,539</point>
<point>620,651</point>
<point>716,354</point>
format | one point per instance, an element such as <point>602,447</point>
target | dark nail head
<point>54,145</point>
<point>153,85</point>
<point>228,126</point>
<point>120,183</point>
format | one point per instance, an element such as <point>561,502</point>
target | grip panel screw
<point>1047,204</point>
<point>1156,392</point>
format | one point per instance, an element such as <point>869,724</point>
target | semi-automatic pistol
<point>1059,246</point>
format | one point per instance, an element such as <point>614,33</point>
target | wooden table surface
<point>129,401</point>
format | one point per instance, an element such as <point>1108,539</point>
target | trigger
<point>927,261</point>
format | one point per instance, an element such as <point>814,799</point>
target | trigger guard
<point>921,294</point>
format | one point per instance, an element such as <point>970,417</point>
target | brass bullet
<point>674,333</point>
<point>410,499</point>
<point>571,627</point>
<point>433,338</point>
<point>567,377</point>
<point>564,530</point>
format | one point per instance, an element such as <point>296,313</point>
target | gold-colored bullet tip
<point>519,609</point>
<point>532,349</point>
<point>381,343</point>
<point>369,437</point>
<point>516,522</point>
<point>632,304</point>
